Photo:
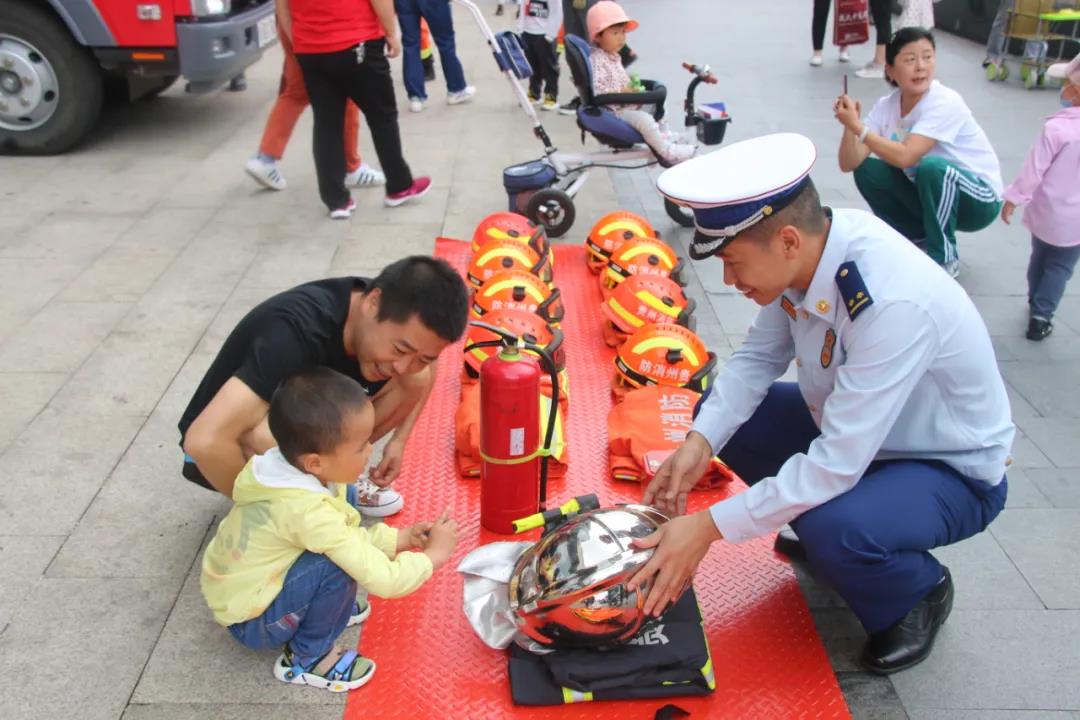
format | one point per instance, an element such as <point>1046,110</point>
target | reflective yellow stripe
<point>633,252</point>
<point>653,302</point>
<point>623,224</point>
<point>558,443</point>
<point>489,289</point>
<point>631,319</point>
<point>707,668</point>
<point>651,343</point>
<point>574,696</point>
<point>513,252</point>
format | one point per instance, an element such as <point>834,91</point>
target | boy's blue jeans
<point>1048,273</point>
<point>441,24</point>
<point>309,613</point>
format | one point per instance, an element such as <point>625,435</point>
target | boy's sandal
<point>349,672</point>
<point>360,613</point>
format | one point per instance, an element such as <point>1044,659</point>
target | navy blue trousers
<point>872,543</point>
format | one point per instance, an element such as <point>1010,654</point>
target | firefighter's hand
<point>677,475</point>
<point>680,545</point>
<point>393,45</point>
<point>390,466</point>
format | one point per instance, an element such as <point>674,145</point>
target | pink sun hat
<point>603,15</point>
<point>1063,71</point>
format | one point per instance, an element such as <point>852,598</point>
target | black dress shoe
<point>788,543</point>
<point>1039,329</point>
<point>909,641</point>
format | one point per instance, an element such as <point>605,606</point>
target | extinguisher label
<point>517,441</point>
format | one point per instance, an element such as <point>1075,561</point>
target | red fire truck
<point>58,58</point>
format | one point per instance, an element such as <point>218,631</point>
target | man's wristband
<point>863,133</point>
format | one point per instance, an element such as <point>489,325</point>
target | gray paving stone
<point>332,710</point>
<point>147,520</point>
<point>985,577</point>
<point>1049,387</point>
<point>873,696</point>
<point>1060,485</point>
<point>99,631</point>
<point>934,714</point>
<point>1026,454</point>
<point>25,395</point>
<point>191,632</point>
<point>994,659</point>
<point>29,283</point>
<point>60,337</point>
<point>70,235</point>
<point>22,561</point>
<point>126,375</point>
<point>53,470</point>
<point>1044,546</point>
<point>1023,493</point>
<point>1056,437</point>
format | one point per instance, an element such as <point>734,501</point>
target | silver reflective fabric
<point>487,571</point>
<point>569,590</point>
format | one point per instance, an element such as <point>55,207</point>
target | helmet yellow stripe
<point>492,288</point>
<point>630,254</point>
<point>624,224</point>
<point>630,318</point>
<point>653,302</point>
<point>663,342</point>
<point>513,252</point>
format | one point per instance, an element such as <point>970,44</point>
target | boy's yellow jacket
<point>279,513</point>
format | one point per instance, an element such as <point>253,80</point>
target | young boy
<point>539,26</point>
<point>284,566</point>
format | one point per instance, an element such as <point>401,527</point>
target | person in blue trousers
<point>441,24</point>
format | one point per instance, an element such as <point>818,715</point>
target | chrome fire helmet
<point>569,590</point>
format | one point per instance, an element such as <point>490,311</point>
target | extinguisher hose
<point>548,364</point>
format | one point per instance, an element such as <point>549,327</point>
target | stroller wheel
<point>553,209</point>
<point>683,216</point>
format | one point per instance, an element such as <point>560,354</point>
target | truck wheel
<point>50,87</point>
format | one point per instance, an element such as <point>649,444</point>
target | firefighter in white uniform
<point>895,439</point>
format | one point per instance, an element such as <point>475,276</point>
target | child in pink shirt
<point>1049,185</point>
<point>607,26</point>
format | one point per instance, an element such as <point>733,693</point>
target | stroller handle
<point>703,73</point>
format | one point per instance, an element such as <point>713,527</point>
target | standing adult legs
<point>440,21</point>
<point>323,74</point>
<point>409,13</point>
<point>817,28</point>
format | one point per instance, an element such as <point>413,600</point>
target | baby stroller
<point>543,190</point>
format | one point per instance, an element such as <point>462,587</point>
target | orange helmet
<point>526,325</point>
<point>664,355</point>
<point>498,255</point>
<point>643,299</point>
<point>518,290</point>
<point>510,226</point>
<point>610,232</point>
<point>644,256</point>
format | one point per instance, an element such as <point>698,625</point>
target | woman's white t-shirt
<point>940,115</point>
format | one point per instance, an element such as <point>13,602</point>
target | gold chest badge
<point>827,348</point>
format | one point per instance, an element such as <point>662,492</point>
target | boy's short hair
<point>427,287</point>
<point>308,410</point>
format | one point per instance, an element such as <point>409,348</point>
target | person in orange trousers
<point>291,102</point>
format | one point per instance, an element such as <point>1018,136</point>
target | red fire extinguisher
<point>513,470</point>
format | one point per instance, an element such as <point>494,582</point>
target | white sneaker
<point>374,501</point>
<point>365,176</point>
<point>815,60</point>
<point>343,213</point>
<point>678,152</point>
<point>870,71</point>
<point>461,96</point>
<point>416,104</point>
<point>845,56</point>
<point>265,173</point>
<point>361,612</point>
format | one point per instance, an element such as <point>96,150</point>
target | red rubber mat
<point>768,658</point>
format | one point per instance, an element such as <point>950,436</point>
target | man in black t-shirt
<point>385,333</point>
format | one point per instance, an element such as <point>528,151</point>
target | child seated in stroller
<point>607,26</point>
